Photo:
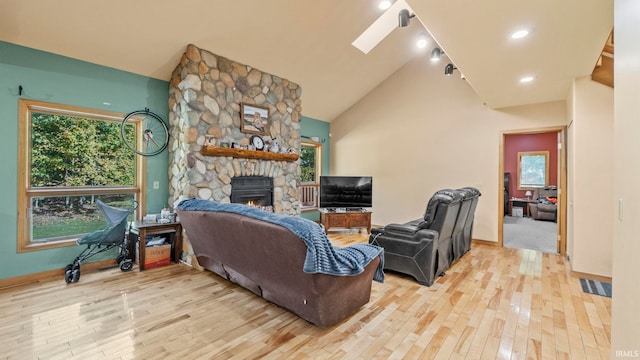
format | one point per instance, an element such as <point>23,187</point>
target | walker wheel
<point>75,275</point>
<point>67,274</point>
<point>126,265</point>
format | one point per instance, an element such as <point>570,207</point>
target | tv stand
<point>356,218</point>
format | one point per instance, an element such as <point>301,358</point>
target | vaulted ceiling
<point>309,42</point>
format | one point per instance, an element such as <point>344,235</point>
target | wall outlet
<point>156,185</point>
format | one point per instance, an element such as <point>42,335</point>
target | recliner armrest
<point>427,234</point>
<point>402,229</point>
<point>409,233</point>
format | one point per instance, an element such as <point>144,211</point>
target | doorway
<point>532,210</point>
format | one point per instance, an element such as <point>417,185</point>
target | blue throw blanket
<point>322,257</point>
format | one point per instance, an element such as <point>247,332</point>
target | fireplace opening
<point>252,190</point>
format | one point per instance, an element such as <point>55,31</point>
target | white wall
<point>625,320</point>
<point>591,180</point>
<point>421,131</point>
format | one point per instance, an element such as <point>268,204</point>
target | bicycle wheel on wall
<point>144,133</point>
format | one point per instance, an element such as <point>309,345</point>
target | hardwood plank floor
<point>494,303</point>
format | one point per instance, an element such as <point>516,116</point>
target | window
<point>69,157</point>
<point>533,169</point>
<point>310,169</point>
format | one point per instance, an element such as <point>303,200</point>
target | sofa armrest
<point>533,209</point>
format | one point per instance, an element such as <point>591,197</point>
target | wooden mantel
<point>247,154</point>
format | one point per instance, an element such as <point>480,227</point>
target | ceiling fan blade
<point>380,28</point>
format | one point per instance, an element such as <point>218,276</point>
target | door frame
<point>561,247</point>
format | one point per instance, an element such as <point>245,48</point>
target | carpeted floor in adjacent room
<point>527,233</point>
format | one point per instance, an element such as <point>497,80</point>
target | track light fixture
<point>404,18</point>
<point>384,4</point>
<point>448,69</point>
<point>422,41</point>
<point>436,53</point>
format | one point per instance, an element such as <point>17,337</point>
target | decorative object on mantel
<point>257,142</point>
<point>247,154</point>
<point>254,119</point>
<point>274,146</point>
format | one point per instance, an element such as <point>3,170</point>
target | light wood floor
<point>493,303</point>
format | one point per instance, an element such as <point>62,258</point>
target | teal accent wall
<point>53,78</point>
<point>312,127</point>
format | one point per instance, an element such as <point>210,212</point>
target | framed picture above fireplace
<point>254,119</point>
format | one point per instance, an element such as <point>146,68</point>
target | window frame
<point>522,154</point>
<point>318,166</point>
<point>26,192</point>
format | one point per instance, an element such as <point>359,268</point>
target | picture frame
<point>254,119</point>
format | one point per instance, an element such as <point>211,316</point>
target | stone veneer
<point>205,94</point>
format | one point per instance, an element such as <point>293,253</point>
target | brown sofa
<point>268,259</point>
<point>544,209</point>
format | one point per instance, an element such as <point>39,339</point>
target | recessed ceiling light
<point>519,34</point>
<point>384,5</point>
<point>526,79</point>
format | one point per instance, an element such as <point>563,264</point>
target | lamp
<point>435,54</point>
<point>528,194</point>
<point>404,17</point>
<point>448,69</point>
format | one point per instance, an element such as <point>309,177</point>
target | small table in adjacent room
<point>524,203</point>
<point>141,229</point>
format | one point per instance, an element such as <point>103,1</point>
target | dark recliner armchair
<point>462,237</point>
<point>422,248</point>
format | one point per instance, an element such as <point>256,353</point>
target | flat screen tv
<point>345,192</point>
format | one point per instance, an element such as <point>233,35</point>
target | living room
<point>392,133</point>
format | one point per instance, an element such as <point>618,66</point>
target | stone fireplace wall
<point>205,94</point>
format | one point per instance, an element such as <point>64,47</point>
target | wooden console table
<point>348,220</point>
<point>140,230</point>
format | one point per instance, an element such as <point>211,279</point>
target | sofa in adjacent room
<point>545,208</point>
<point>287,260</point>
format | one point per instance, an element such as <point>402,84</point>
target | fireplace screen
<point>252,190</point>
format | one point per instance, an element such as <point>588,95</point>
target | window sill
<point>44,245</point>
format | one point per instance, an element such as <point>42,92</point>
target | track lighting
<point>384,5</point>
<point>422,41</point>
<point>436,53</point>
<point>448,69</point>
<point>404,17</point>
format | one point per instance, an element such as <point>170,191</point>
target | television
<point>349,192</point>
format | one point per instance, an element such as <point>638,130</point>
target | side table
<point>524,203</point>
<point>141,229</point>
